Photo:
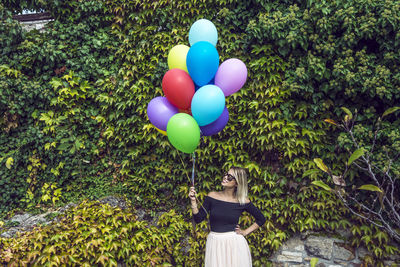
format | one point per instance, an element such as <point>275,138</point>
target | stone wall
<point>295,252</point>
<point>34,21</point>
<point>330,252</point>
<point>34,25</point>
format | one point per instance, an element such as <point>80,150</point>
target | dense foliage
<point>74,101</point>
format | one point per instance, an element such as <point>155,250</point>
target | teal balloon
<point>208,103</point>
<point>183,132</point>
<point>202,62</point>
<point>203,30</point>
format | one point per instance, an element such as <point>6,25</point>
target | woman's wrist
<point>244,233</point>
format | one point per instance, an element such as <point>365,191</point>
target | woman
<point>226,245</point>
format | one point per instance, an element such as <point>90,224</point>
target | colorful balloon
<point>183,132</point>
<point>231,76</point>
<point>160,131</point>
<point>159,111</point>
<point>177,57</point>
<point>178,87</point>
<point>216,126</point>
<point>202,62</point>
<point>207,104</point>
<point>188,111</point>
<point>203,30</point>
<point>196,87</point>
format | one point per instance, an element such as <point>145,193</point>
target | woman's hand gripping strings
<point>193,202</point>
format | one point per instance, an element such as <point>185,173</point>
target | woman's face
<point>228,179</point>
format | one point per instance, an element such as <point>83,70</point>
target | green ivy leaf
<point>321,165</point>
<point>356,154</point>
<point>370,187</point>
<point>310,172</point>
<point>322,184</point>
<point>313,262</point>
<point>9,162</point>
<point>390,110</point>
<point>330,121</point>
<point>348,112</point>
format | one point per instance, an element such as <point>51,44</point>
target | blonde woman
<point>226,245</point>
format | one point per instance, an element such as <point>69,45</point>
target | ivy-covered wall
<point>73,101</point>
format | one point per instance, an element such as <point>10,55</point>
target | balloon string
<point>194,163</point>
<point>191,180</point>
<point>184,167</point>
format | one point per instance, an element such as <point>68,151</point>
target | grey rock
<point>293,244</point>
<point>185,245</point>
<point>288,256</point>
<point>395,257</point>
<point>140,213</point>
<point>114,202</point>
<point>341,263</point>
<point>319,247</point>
<point>66,207</point>
<point>299,265</point>
<point>20,218</point>
<point>344,233</point>
<point>321,264</point>
<point>34,25</point>
<point>35,220</point>
<point>335,265</point>
<point>305,234</point>
<point>342,252</point>
<point>280,264</point>
<point>26,222</point>
<point>389,263</point>
<point>10,232</point>
<point>362,252</point>
<point>291,253</point>
<point>274,256</point>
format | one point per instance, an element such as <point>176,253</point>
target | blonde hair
<point>241,180</point>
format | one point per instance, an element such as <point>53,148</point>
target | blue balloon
<point>208,103</point>
<point>203,30</point>
<point>196,87</point>
<point>202,62</point>
<point>216,126</point>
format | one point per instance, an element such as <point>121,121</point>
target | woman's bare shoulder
<point>247,200</point>
<point>213,194</point>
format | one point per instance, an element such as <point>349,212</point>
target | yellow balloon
<point>177,57</point>
<point>161,131</point>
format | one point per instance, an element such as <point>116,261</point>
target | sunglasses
<point>229,176</point>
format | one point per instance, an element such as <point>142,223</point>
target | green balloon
<point>183,132</point>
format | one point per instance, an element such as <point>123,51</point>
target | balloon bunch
<point>195,87</point>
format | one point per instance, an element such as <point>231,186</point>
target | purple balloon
<point>159,111</point>
<point>231,76</point>
<point>216,126</point>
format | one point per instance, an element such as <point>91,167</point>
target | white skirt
<point>227,250</point>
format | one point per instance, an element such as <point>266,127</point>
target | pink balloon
<point>231,76</point>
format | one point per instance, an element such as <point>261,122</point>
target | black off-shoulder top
<point>224,215</point>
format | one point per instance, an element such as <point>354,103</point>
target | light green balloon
<point>177,57</point>
<point>183,132</point>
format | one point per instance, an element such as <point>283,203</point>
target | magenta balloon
<point>231,76</point>
<point>159,111</point>
<point>216,126</point>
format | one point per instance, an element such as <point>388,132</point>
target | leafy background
<point>73,121</point>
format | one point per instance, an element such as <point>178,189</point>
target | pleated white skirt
<point>227,250</point>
